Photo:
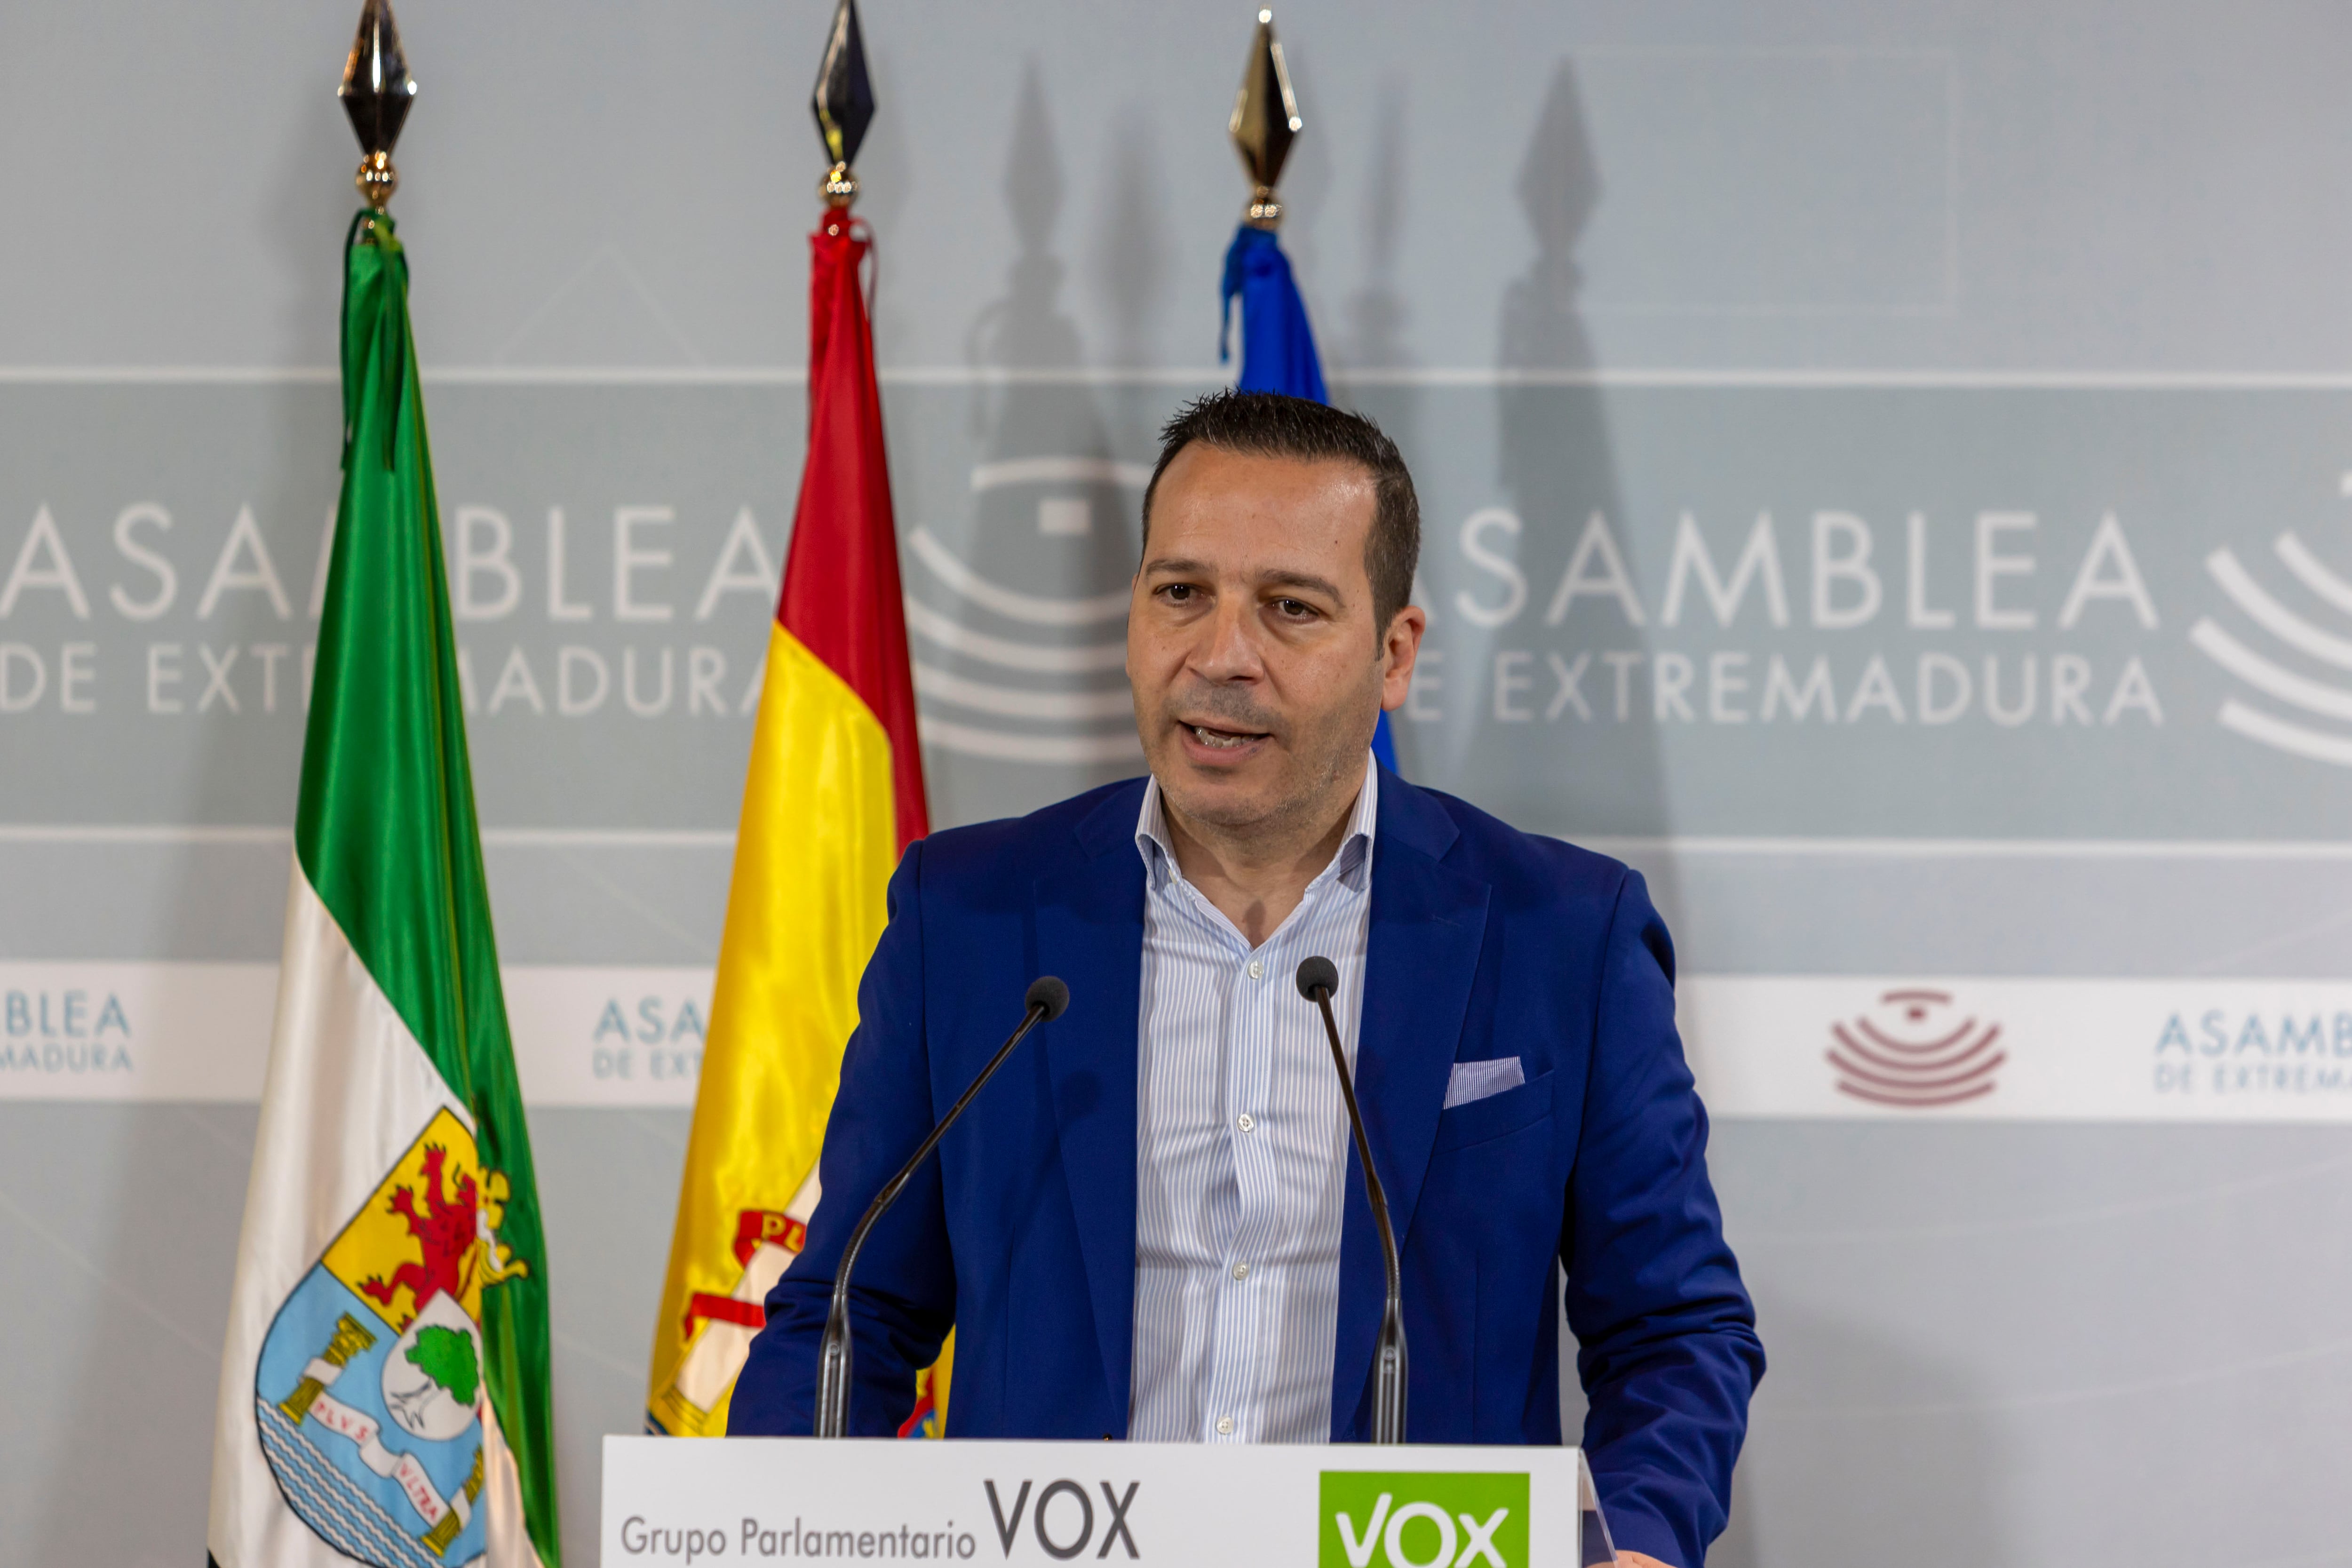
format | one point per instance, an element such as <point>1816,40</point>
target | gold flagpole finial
<point>842,104</point>
<point>376,93</point>
<point>1265,121</point>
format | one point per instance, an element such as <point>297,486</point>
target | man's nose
<point>1228,650</point>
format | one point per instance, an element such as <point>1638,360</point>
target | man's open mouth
<point>1223,739</point>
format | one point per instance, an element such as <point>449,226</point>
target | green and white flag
<point>383,1394</point>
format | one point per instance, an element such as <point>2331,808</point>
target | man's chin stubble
<point>1258,813</point>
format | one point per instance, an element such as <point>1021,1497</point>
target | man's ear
<point>1400,650</point>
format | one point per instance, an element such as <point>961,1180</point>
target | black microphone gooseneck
<point>1319,979</point>
<point>1047,1001</point>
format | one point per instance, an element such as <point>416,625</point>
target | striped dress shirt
<point>1241,1152</point>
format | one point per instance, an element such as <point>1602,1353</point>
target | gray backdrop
<point>2039,263</point>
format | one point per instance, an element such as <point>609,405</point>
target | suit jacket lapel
<point>1428,925</point>
<point>1090,932</point>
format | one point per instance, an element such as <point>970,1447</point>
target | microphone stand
<point>1318,979</point>
<point>1046,1000</point>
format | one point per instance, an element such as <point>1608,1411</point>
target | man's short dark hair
<point>1269,425</point>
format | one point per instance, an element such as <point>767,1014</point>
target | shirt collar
<point>1351,866</point>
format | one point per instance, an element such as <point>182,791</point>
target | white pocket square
<point>1478,1080</point>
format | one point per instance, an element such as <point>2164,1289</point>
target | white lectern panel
<point>677,1502</point>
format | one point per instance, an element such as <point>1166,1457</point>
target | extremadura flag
<point>383,1394</point>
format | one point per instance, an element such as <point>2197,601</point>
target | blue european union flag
<point>1277,349</point>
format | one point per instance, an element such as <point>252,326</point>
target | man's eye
<point>1294,608</point>
<point>1178,593</point>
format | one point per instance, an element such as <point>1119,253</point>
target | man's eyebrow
<point>1178,566</point>
<point>1306,580</point>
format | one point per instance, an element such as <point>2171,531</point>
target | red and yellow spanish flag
<point>834,796</point>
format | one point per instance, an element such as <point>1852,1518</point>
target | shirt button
<point>1241,1270</point>
<point>1245,1122</point>
<point>1257,969</point>
<point>1224,1425</point>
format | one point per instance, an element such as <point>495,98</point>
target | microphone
<point>1319,979</point>
<point>1047,999</point>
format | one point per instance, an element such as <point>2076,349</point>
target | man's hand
<point>1637,1560</point>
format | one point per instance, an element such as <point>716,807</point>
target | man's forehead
<point>1241,508</point>
<point>1205,469</point>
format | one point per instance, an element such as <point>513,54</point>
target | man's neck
<point>1255,878</point>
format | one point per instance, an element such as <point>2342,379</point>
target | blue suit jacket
<point>1485,943</point>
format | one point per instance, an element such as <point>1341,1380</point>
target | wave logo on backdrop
<point>369,1393</point>
<point>1045,681</point>
<point>2330,698</point>
<point>1908,1051</point>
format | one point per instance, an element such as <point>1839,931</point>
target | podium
<point>680,1503</point>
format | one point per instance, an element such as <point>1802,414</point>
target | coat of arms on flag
<point>369,1390</point>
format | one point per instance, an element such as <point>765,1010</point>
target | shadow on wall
<point>1559,188</point>
<point>1588,728</point>
<point>1591,771</point>
<point>1025,327</point>
<point>1371,335</point>
<point>1078,547</point>
<point>1853,1479</point>
<point>1593,739</point>
<point>1016,587</point>
<point>1130,271</point>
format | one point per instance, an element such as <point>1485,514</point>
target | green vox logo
<point>1439,1518</point>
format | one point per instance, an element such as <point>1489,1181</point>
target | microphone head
<point>1317,972</point>
<point>1046,996</point>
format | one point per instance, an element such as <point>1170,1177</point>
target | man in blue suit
<point>1151,1224</point>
